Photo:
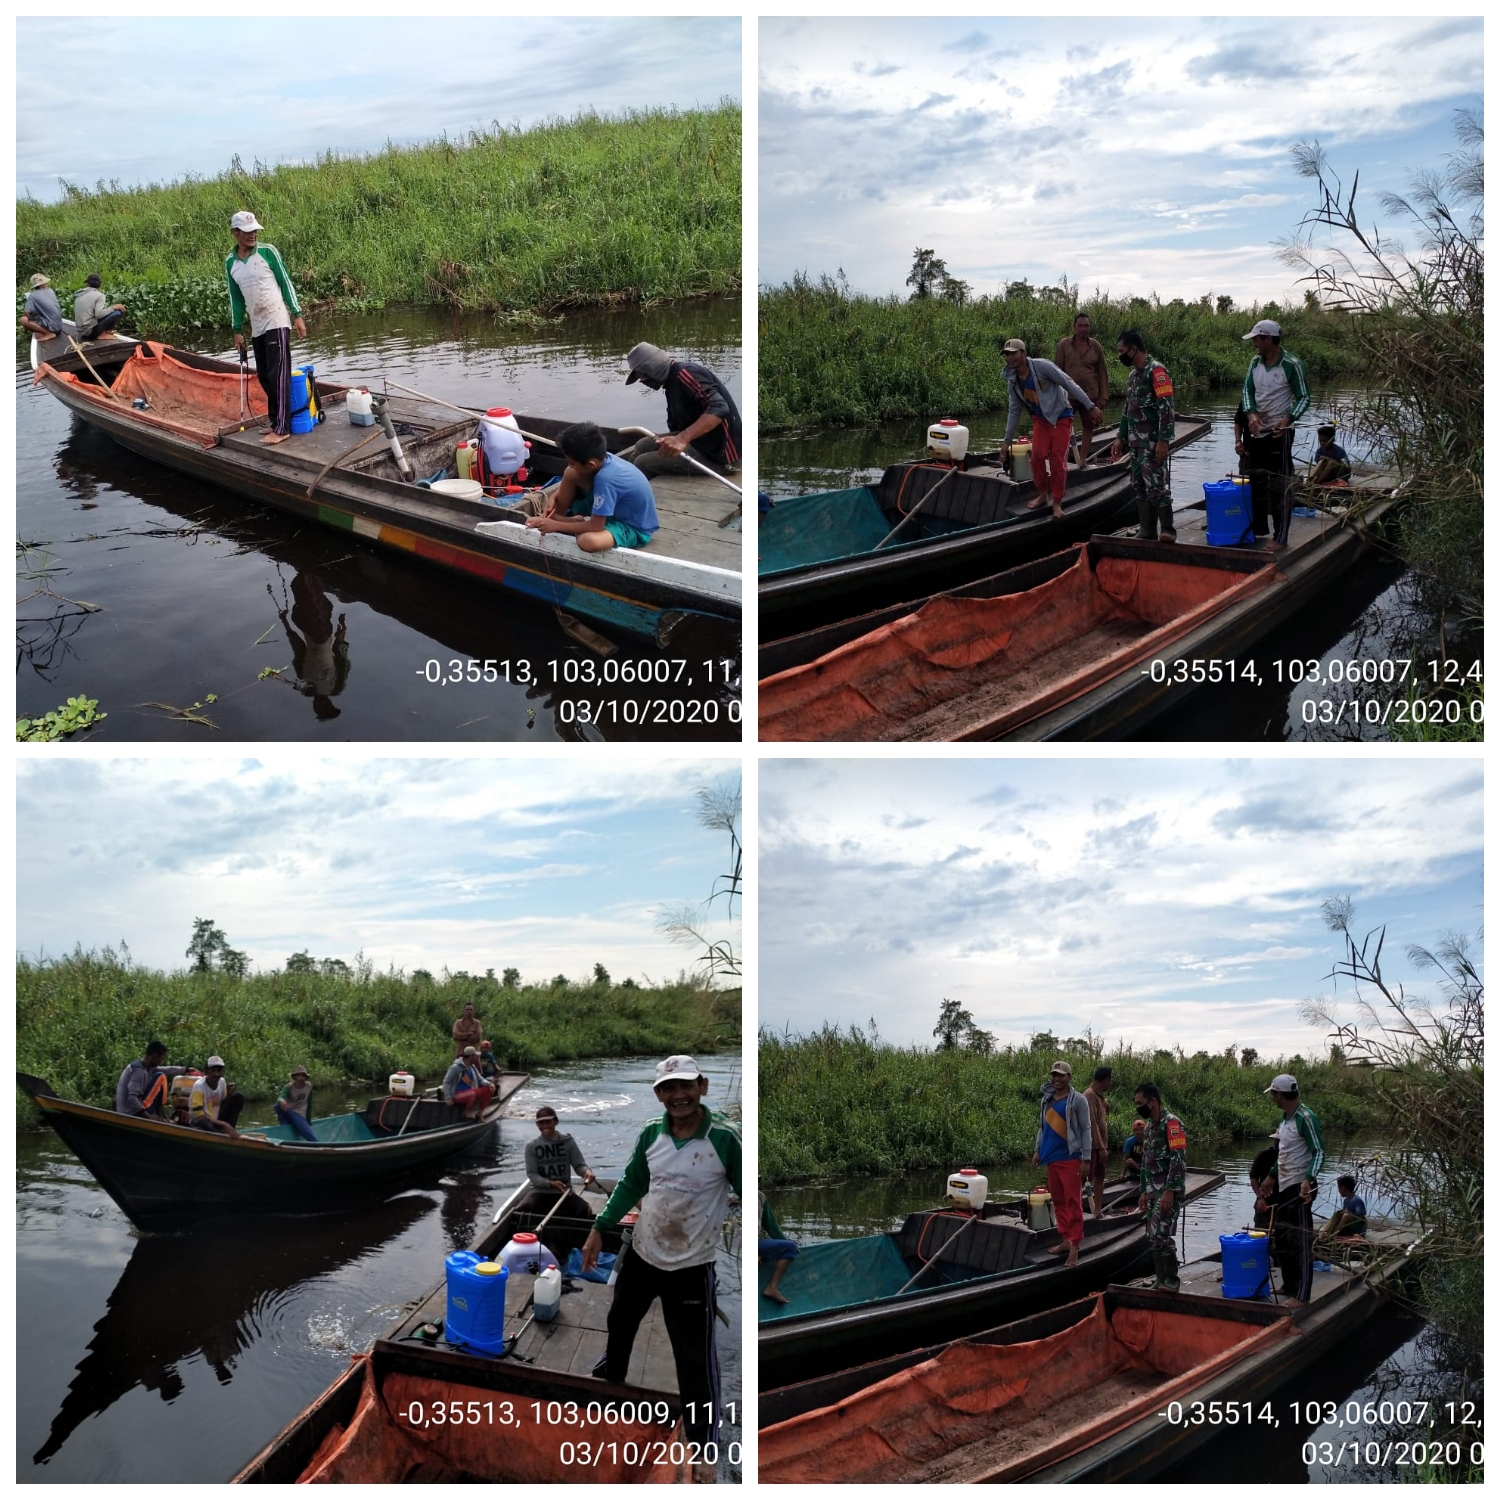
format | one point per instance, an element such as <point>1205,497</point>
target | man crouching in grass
<point>602,500</point>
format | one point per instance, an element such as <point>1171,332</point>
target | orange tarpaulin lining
<point>382,1444</point>
<point>190,402</point>
<point>1018,1406</point>
<point>872,687</point>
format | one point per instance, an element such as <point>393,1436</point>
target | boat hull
<point>805,599</point>
<point>639,592</point>
<point>819,1343</point>
<point>166,1177</point>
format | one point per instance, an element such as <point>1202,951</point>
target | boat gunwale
<point>1106,482</point>
<point>661,582</point>
<point>799,1326</point>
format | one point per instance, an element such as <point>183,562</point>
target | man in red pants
<point>1063,1141</point>
<point>1044,390</point>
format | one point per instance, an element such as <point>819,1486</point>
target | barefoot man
<point>259,283</point>
<point>1063,1142</point>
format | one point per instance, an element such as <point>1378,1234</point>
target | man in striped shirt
<point>1273,397</point>
<point>681,1172</point>
<point>702,416</point>
<point>1294,1185</point>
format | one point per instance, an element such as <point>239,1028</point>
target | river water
<point>1361,617</point>
<point>201,591</point>
<point>1394,1356</point>
<point>175,1358</point>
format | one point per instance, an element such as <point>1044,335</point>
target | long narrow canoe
<point>535,1414</point>
<point>168,1177</point>
<point>850,1301</point>
<point>982,662</point>
<point>1079,1392</point>
<point>824,558</point>
<point>193,422</point>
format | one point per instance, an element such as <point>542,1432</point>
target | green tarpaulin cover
<point>842,1273</point>
<point>819,528</point>
<point>332,1130</point>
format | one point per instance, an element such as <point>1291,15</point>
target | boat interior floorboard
<point>573,1343</point>
<point>990,699</point>
<point>1039,1429</point>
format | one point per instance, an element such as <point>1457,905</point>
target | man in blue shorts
<point>602,500</point>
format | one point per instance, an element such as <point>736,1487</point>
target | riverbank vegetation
<point>830,357</point>
<point>1426,1063</point>
<point>592,211</point>
<point>835,1102</point>
<point>80,1019</point>
<point>1418,319</point>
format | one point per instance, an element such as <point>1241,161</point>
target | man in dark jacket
<point>702,416</point>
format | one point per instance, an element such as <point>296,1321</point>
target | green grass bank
<point>80,1019</point>
<point>830,358</point>
<point>590,211</point>
<point>836,1103</point>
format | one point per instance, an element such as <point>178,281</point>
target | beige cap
<point>39,280</point>
<point>1015,346</point>
<point>1066,1069</point>
<point>471,1051</point>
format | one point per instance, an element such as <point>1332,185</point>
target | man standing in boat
<point>1274,395</point>
<point>1045,391</point>
<point>1094,1096</point>
<point>258,282</point>
<point>1163,1181</point>
<point>1064,1141</point>
<point>701,414</point>
<point>1082,356</point>
<point>1146,427</point>
<point>1294,1185</point>
<point>681,1172</point>
<point>468,1031</point>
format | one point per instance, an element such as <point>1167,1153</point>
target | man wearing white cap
<point>1273,397</point>
<point>1294,1185</point>
<point>701,414</point>
<point>214,1103</point>
<point>681,1172</point>
<point>259,284</point>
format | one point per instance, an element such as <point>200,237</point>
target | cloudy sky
<point>150,100</point>
<point>1134,156</point>
<point>468,864</point>
<point>1161,902</point>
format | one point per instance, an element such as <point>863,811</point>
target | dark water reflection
<point>1393,1356</point>
<point>201,592</point>
<point>201,1346</point>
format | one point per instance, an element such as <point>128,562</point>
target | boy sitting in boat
<point>1351,1220</point>
<point>215,1103</point>
<point>601,500</point>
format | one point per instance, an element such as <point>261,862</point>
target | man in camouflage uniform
<point>1146,433</point>
<point>1163,1180</point>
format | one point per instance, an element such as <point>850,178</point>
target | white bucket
<point>359,406</point>
<point>459,489</point>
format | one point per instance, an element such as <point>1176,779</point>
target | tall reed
<point>589,211</point>
<point>80,1019</point>
<point>836,1102</point>
<point>830,357</point>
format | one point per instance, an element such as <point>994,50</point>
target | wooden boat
<point>984,660</point>
<point>333,476</point>
<point>167,1177</point>
<point>850,1299</point>
<point>361,1429</point>
<point>825,558</point>
<point>1079,1392</point>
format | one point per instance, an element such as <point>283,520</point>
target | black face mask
<point>1127,359</point>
